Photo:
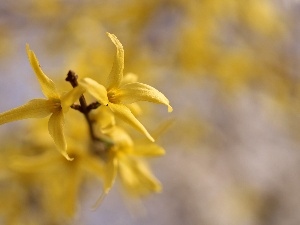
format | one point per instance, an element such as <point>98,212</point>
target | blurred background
<point>230,69</point>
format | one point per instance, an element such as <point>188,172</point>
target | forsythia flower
<point>65,178</point>
<point>117,94</point>
<point>126,159</point>
<point>55,105</point>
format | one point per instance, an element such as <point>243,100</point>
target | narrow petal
<point>105,119</point>
<point>56,130</point>
<point>148,150</point>
<point>36,108</point>
<point>47,85</point>
<point>121,138</point>
<point>109,179</point>
<point>93,165</point>
<point>162,128</point>
<point>137,177</point>
<point>129,78</point>
<point>97,90</point>
<point>134,92</point>
<point>147,178</point>
<point>125,114</point>
<point>116,73</point>
<point>30,164</point>
<point>134,108</point>
<point>70,191</point>
<point>70,97</point>
<point>128,176</point>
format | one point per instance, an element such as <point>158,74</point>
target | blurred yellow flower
<point>126,159</point>
<point>115,95</point>
<point>55,104</point>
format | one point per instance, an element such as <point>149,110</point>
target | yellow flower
<point>126,159</point>
<point>55,105</point>
<point>64,178</point>
<point>117,94</point>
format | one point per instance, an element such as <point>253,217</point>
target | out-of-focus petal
<point>109,179</point>
<point>137,177</point>
<point>129,78</point>
<point>104,118</point>
<point>47,85</point>
<point>116,73</point>
<point>162,128</point>
<point>147,178</point>
<point>127,174</point>
<point>121,137</point>
<point>32,164</point>
<point>56,130</point>
<point>72,185</point>
<point>134,108</point>
<point>70,97</point>
<point>148,150</point>
<point>36,108</point>
<point>134,92</point>
<point>93,165</point>
<point>125,114</point>
<point>97,90</point>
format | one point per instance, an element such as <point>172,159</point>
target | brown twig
<point>85,109</point>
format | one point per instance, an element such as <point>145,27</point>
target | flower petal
<point>148,150</point>
<point>147,178</point>
<point>70,191</point>
<point>55,127</point>
<point>36,108</point>
<point>137,177</point>
<point>134,92</point>
<point>121,138</point>
<point>109,179</point>
<point>125,114</point>
<point>129,78</point>
<point>30,164</point>
<point>93,165</point>
<point>104,119</point>
<point>70,97</point>
<point>47,85</point>
<point>135,109</point>
<point>97,90</point>
<point>116,73</point>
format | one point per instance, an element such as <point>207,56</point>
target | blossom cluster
<point>105,149</point>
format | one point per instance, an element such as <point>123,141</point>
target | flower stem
<point>101,143</point>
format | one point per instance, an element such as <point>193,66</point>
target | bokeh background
<point>231,71</point>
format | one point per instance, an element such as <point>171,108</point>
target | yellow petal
<point>134,92</point>
<point>137,177</point>
<point>72,185</point>
<point>30,164</point>
<point>93,165</point>
<point>109,179</point>
<point>163,127</point>
<point>104,119</point>
<point>121,138</point>
<point>125,114</point>
<point>129,78</point>
<point>147,178</point>
<point>36,108</point>
<point>134,108</point>
<point>56,130</point>
<point>47,85</point>
<point>127,174</point>
<point>70,97</point>
<point>116,73</point>
<point>149,150</point>
<point>97,90</point>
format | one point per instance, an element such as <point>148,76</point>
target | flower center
<point>112,97</point>
<point>56,105</point>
